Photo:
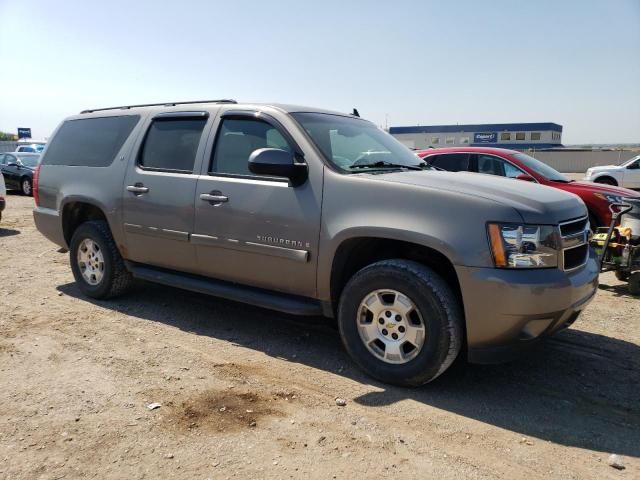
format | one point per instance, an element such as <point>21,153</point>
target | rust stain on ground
<point>222,411</point>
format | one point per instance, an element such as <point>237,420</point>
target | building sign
<point>24,132</point>
<point>490,137</point>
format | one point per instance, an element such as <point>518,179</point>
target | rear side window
<point>89,142</point>
<point>172,144</point>
<point>453,162</point>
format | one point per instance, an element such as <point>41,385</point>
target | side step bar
<point>258,297</point>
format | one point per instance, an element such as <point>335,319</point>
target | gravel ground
<point>249,393</point>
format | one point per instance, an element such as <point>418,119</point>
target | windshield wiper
<point>383,163</point>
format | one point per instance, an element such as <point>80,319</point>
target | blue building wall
<point>523,136</point>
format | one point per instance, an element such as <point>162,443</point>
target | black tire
<point>607,181</point>
<point>622,275</point>
<point>634,284</point>
<point>438,306</point>
<point>26,190</point>
<point>116,279</point>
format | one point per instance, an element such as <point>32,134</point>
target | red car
<point>519,165</point>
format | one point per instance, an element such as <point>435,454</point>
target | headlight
<point>524,246</point>
<point>589,172</point>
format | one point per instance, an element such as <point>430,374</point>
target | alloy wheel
<point>390,326</point>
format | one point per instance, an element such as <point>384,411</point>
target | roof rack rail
<point>163,104</point>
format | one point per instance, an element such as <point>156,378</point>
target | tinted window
<point>238,138</point>
<point>454,162</point>
<point>497,166</point>
<point>172,144</point>
<point>29,160</point>
<point>89,142</point>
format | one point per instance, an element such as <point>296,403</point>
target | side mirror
<point>278,163</point>
<point>525,177</point>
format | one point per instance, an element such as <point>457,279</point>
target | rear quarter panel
<point>59,185</point>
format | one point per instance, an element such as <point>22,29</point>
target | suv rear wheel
<point>97,266</point>
<point>400,322</point>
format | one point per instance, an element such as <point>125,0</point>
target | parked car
<point>3,193</point>
<point>313,212</point>
<point>625,175</point>
<point>34,147</point>
<point>17,168</point>
<point>519,165</point>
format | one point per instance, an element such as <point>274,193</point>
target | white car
<point>626,175</point>
<point>32,147</point>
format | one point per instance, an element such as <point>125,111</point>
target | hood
<point>605,167</point>
<point>536,204</point>
<point>605,189</point>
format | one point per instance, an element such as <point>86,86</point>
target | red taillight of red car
<point>36,190</point>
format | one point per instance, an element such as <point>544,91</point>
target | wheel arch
<point>75,212</point>
<point>606,176</point>
<point>355,253</point>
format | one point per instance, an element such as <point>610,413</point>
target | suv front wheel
<point>96,263</point>
<point>400,322</point>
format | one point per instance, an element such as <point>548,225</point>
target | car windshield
<point>354,145</point>
<point>28,160</point>
<point>630,161</point>
<point>541,168</point>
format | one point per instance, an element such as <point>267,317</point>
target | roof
<point>430,151</point>
<point>480,127</point>
<point>168,106</point>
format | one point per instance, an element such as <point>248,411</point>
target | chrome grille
<point>574,236</point>
<point>574,226</point>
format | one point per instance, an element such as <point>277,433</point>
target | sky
<point>576,63</point>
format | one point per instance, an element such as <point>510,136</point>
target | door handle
<point>208,197</point>
<point>138,188</point>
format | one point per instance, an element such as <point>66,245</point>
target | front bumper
<point>508,311</point>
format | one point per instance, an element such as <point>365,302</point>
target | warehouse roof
<point>482,127</point>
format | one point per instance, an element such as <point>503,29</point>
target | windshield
<point>630,161</point>
<point>354,145</point>
<point>541,168</point>
<point>28,160</point>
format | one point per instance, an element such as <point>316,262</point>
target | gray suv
<point>314,212</point>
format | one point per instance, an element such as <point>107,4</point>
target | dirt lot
<point>248,393</point>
